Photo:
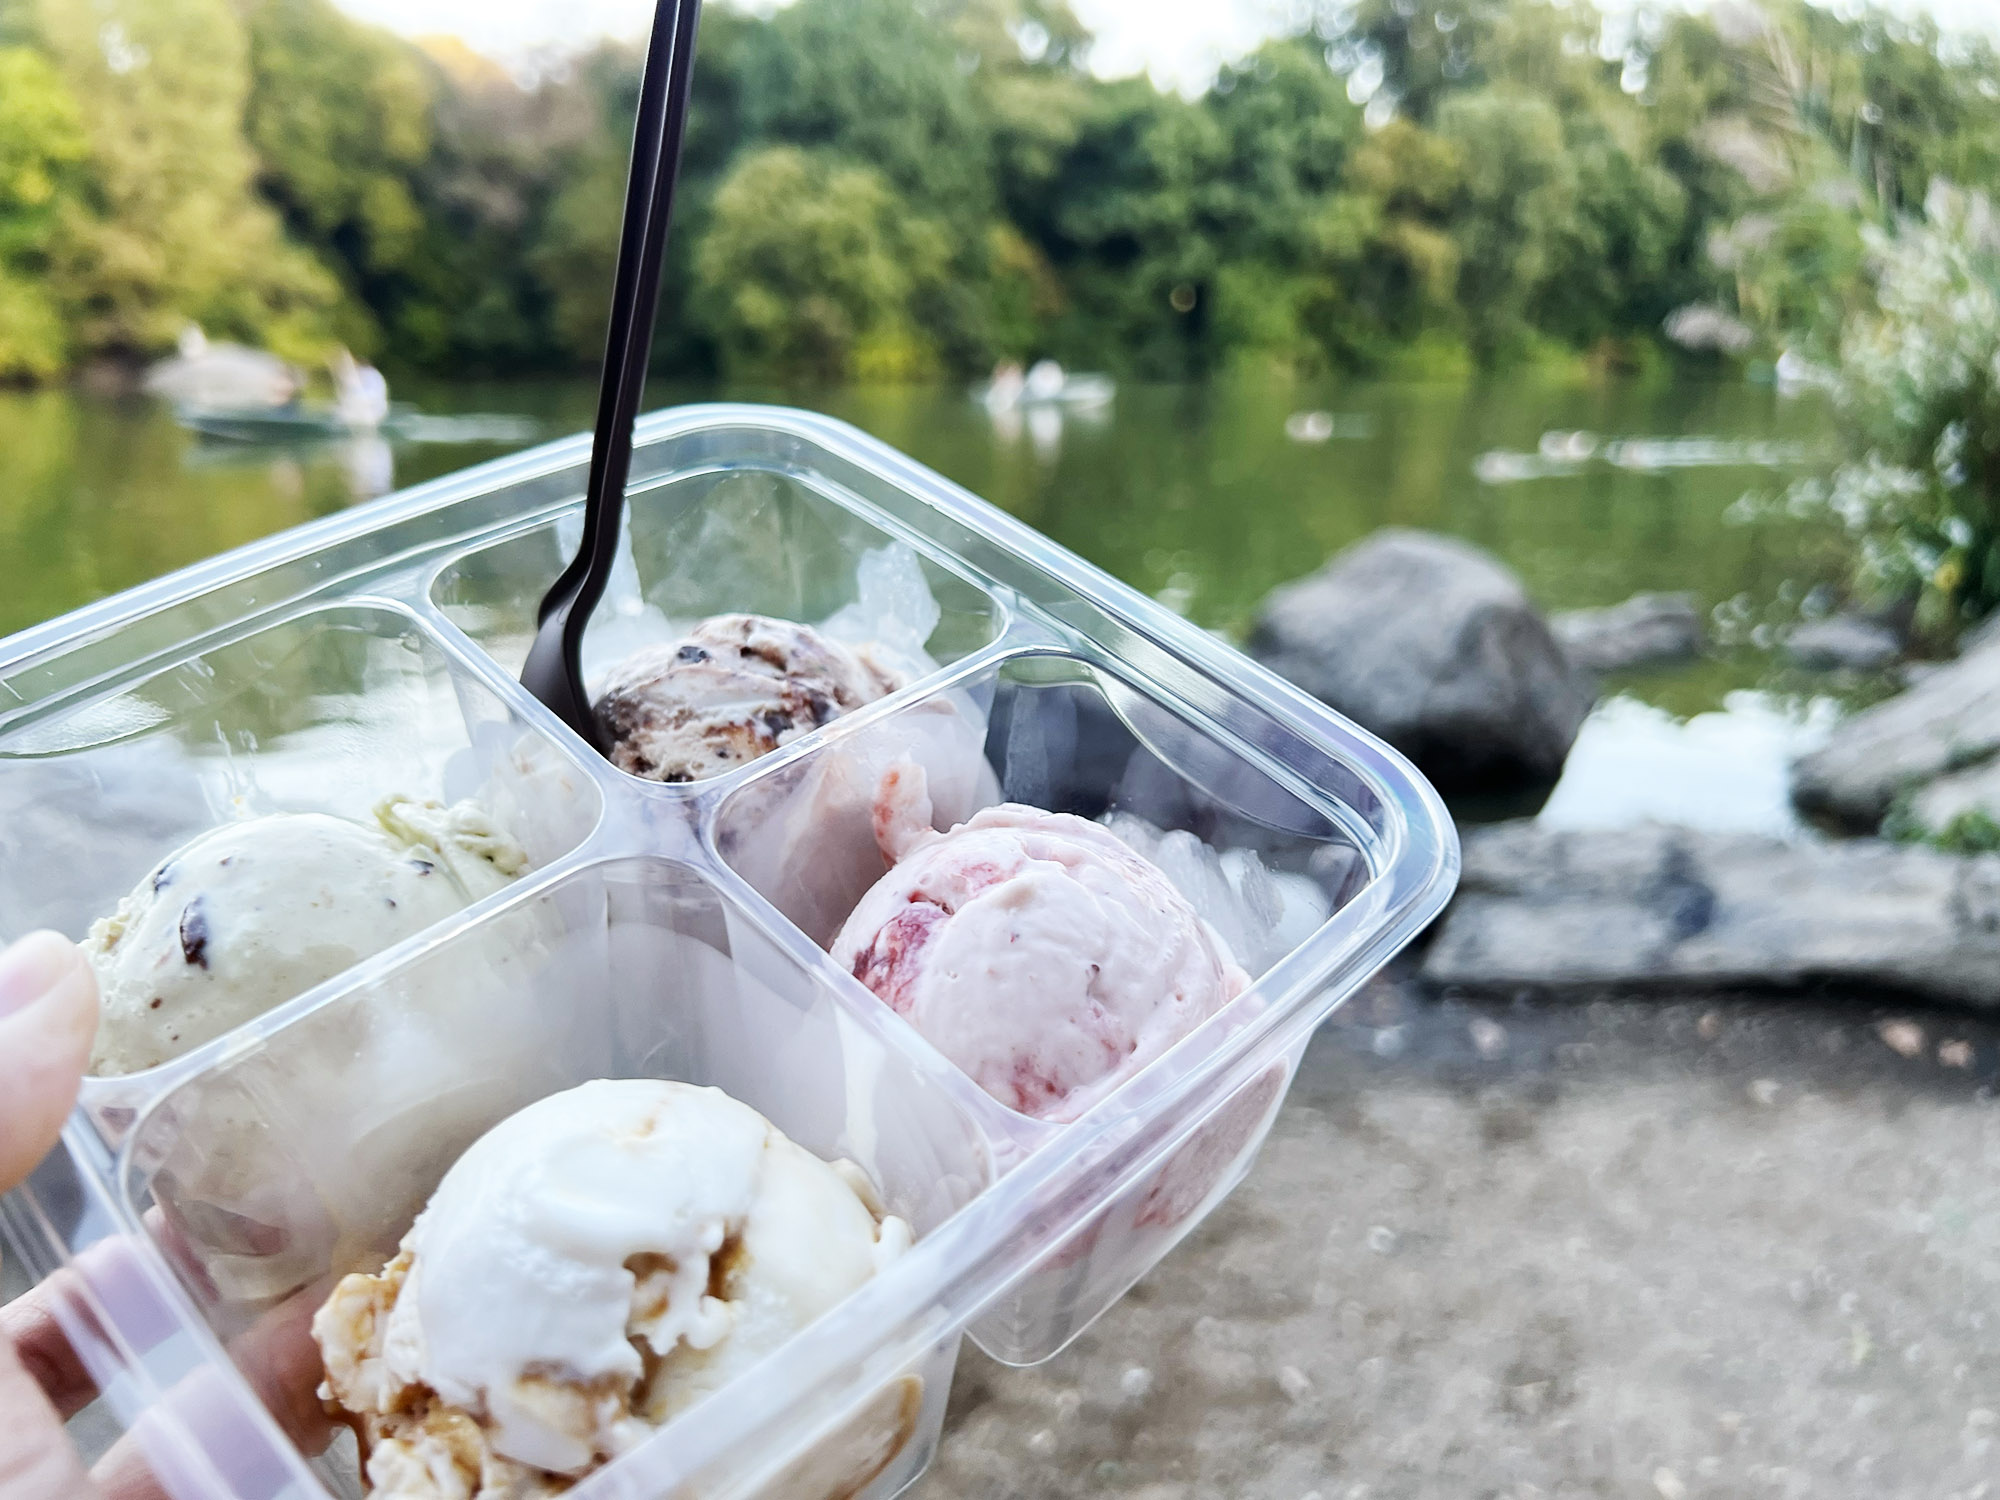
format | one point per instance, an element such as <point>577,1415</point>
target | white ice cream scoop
<point>1033,949</point>
<point>593,1265</point>
<point>250,914</point>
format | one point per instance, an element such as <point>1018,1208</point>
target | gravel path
<point>1746,1248</point>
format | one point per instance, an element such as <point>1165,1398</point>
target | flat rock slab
<point>1956,795</point>
<point>1658,907</point>
<point>1948,721</point>
<point>1434,645</point>
<point>1646,630</point>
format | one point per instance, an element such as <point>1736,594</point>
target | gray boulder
<point>1947,722</point>
<point>1670,908</point>
<point>1646,630</point>
<point>1433,645</point>
<point>1843,642</point>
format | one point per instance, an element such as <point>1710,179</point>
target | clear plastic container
<point>195,1209</point>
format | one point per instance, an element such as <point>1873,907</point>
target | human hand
<point>48,1015</point>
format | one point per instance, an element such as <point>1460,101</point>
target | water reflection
<point>1043,425</point>
<point>1324,426</point>
<point>1562,454</point>
<point>1196,495</point>
<point>1192,493</point>
<point>364,459</point>
<point>1725,770</point>
<point>365,462</point>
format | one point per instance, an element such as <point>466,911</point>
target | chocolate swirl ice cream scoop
<point>734,688</point>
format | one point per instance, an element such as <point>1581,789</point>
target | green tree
<point>1919,387</point>
<point>1288,127</point>
<point>41,152</point>
<point>339,115</point>
<point>875,81</point>
<point>1509,189</point>
<point>1030,86</point>
<point>1289,130</point>
<point>1621,261</point>
<point>1422,51</point>
<point>471,297</point>
<point>1384,265</point>
<point>1517,202</point>
<point>174,230</point>
<point>575,253</point>
<point>1134,229</point>
<point>813,267</point>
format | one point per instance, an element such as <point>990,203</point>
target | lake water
<point>1203,496</point>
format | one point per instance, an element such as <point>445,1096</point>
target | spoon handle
<point>635,295</point>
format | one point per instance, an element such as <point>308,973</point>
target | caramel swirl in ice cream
<point>593,1265</point>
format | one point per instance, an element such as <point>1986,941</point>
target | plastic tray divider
<point>153,1396</point>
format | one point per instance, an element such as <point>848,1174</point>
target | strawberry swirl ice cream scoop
<point>1033,949</point>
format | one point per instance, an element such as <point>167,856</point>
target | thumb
<point>48,1015</point>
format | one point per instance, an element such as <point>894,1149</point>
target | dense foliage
<point>1919,386</point>
<point>894,188</point>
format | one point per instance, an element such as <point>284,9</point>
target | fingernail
<point>31,968</point>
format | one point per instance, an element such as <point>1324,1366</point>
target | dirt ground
<point>1645,1249</point>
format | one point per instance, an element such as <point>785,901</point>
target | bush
<point>1974,831</point>
<point>1919,386</point>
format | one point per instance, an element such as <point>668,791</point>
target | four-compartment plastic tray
<point>194,1209</point>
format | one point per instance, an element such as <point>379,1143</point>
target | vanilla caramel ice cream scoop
<point>734,688</point>
<point>1035,950</point>
<point>591,1266</point>
<point>250,914</point>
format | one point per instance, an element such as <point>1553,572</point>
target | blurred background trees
<point>911,188</point>
<point>165,223</point>
<point>42,149</point>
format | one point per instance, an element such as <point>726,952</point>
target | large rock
<point>1843,643</point>
<point>1670,908</point>
<point>1646,630</point>
<point>1433,645</point>
<point>1947,722</point>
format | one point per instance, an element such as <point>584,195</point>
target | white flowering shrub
<point>1919,395</point>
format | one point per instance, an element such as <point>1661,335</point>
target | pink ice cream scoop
<point>1033,949</point>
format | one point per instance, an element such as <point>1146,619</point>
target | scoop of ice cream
<point>591,1266</point>
<point>805,836</point>
<point>1033,949</point>
<point>735,688</point>
<point>250,914</point>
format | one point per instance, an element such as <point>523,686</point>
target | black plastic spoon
<point>554,671</point>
